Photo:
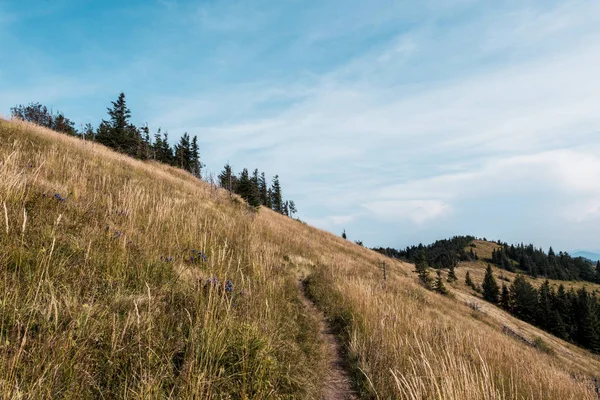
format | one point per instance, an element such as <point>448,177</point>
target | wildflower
<point>229,286</point>
<point>59,197</point>
<point>198,255</point>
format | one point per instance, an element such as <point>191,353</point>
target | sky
<point>399,121</point>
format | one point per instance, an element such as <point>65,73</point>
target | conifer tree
<point>269,203</point>
<point>183,153</point>
<point>263,190</point>
<point>451,273</point>
<point>166,151</point>
<point>468,280</point>
<point>344,236</point>
<point>286,208</point>
<point>276,198</point>
<point>505,298</point>
<point>227,180</point>
<point>196,164</point>
<point>117,132</point>
<point>524,299</point>
<point>422,270</point>
<point>489,286</point>
<point>439,284</point>
<point>292,208</point>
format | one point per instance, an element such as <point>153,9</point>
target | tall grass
<point>105,293</point>
<point>113,283</point>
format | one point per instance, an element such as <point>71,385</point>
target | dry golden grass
<point>86,311</point>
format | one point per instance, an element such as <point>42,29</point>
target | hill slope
<point>129,279</point>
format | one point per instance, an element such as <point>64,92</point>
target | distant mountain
<point>586,254</point>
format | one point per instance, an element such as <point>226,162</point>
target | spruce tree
<point>422,269</point>
<point>226,179</point>
<point>489,286</point>
<point>276,198</point>
<point>524,299</point>
<point>505,298</point>
<point>344,236</point>
<point>292,208</point>
<point>263,190</point>
<point>196,164</point>
<point>468,280</point>
<point>439,284</point>
<point>451,274</point>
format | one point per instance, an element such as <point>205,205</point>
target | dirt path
<point>337,381</point>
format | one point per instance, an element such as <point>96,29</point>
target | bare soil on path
<point>337,382</point>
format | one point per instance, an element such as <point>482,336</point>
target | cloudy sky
<point>400,121</point>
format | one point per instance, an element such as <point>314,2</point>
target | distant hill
<point>587,254</point>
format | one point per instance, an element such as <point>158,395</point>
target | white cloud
<point>416,211</point>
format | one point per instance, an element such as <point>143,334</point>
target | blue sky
<point>400,121</point>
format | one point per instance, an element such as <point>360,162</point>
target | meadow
<point>130,279</point>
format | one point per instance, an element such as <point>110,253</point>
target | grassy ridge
<point>102,295</point>
<point>113,283</point>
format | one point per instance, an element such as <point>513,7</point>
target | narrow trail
<point>337,380</point>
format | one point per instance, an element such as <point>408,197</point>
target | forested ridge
<point>118,133</point>
<point>572,315</point>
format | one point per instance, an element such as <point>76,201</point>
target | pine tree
<point>117,132</point>
<point>468,280</point>
<point>246,189</point>
<point>166,151</point>
<point>505,298</point>
<point>545,312</point>
<point>196,164</point>
<point>227,180</point>
<point>157,146</point>
<point>276,198</point>
<point>588,326</point>
<point>489,286</point>
<point>183,153</point>
<point>422,269</point>
<point>263,190</point>
<point>292,208</point>
<point>439,284</point>
<point>269,203</point>
<point>598,272</point>
<point>286,208</point>
<point>344,236</point>
<point>451,274</point>
<point>524,299</point>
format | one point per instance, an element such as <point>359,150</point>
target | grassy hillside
<point>115,273</point>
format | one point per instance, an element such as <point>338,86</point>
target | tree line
<point>120,134</point>
<point>256,191</point>
<point>571,315</point>
<point>440,254</point>
<point>535,262</point>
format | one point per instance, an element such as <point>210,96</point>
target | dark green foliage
<point>40,115</point>
<point>422,269</point>
<point>441,254</point>
<point>276,197</point>
<point>451,274</point>
<point>505,298</point>
<point>247,189</point>
<point>524,299</point>
<point>535,262</point>
<point>118,133</point>
<point>344,236</point>
<point>489,286</point>
<point>468,280</point>
<point>439,284</point>
<point>292,208</point>
<point>227,180</point>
